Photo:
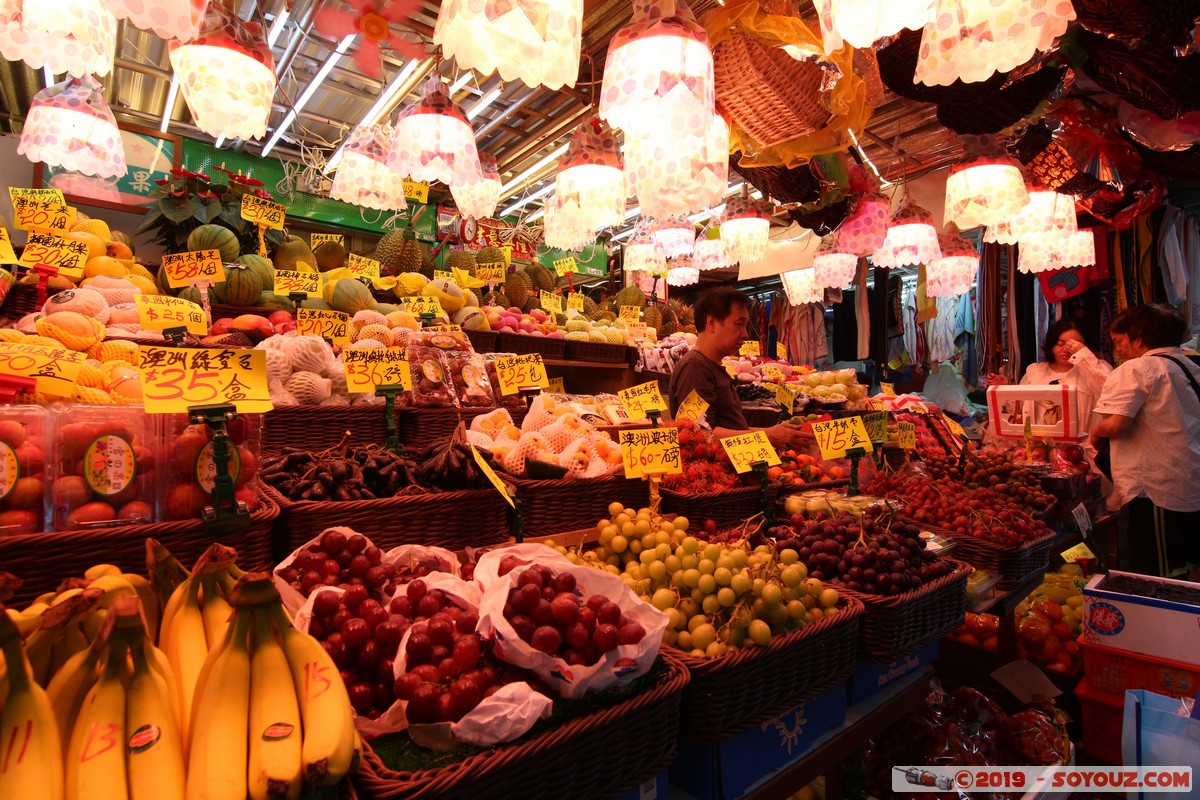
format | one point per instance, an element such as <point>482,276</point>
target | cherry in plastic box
<point>189,471</point>
<point>22,464</point>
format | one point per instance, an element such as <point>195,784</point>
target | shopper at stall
<point>1150,412</point>
<point>721,318</point>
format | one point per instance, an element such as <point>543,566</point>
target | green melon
<point>192,295</point>
<point>242,286</point>
<point>262,267</point>
<point>386,308</point>
<point>215,237</point>
<point>316,303</point>
<point>351,296</point>
<point>275,302</point>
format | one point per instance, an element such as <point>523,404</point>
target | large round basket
<point>320,427</point>
<point>728,508</point>
<point>571,503</point>
<point>22,300</point>
<point>420,427</point>
<point>1015,565</point>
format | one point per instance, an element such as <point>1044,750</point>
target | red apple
<point>279,317</point>
<point>252,323</point>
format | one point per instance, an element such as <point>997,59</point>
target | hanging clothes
<point>964,339</point>
<point>862,311</point>
<point>1171,258</point>
<point>1191,251</point>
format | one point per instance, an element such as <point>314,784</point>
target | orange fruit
<point>95,245</point>
<point>106,266</point>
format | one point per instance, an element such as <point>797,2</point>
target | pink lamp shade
<point>479,199</point>
<point>170,19</point>
<point>708,252</point>
<point>832,266</point>
<point>591,177</point>
<point>982,190</point>
<point>954,273</point>
<point>1077,250</point>
<point>682,272</point>
<point>434,142</point>
<point>866,227</point>
<point>969,40</point>
<point>672,176</point>
<point>745,228</point>
<point>801,287</point>
<point>674,237</point>
<point>1037,254</point>
<point>911,239</point>
<point>1047,213</point>
<point>658,75</point>
<point>227,76</point>
<point>534,41</point>
<point>70,126</point>
<point>78,37</point>
<point>363,177</point>
<point>642,255</point>
<point>861,23</point>
<point>563,231</point>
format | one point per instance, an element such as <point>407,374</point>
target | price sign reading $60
<point>650,451</point>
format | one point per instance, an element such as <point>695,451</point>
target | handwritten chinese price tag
<point>7,254</point>
<point>491,272</point>
<point>48,216</point>
<point>361,265</point>
<point>551,302</point>
<point>650,451</point>
<point>443,275</point>
<point>367,370</point>
<point>631,314</point>
<point>416,190</point>
<point>66,255</point>
<point>331,325</point>
<point>318,239</point>
<point>443,328</point>
<point>42,195</point>
<point>53,369</point>
<point>1082,519</point>
<point>908,435</point>
<point>781,351</point>
<point>786,398</point>
<point>184,269</point>
<point>749,349</point>
<point>521,372</point>
<point>693,407</point>
<point>773,373</point>
<point>157,312</point>
<point>876,424</point>
<point>955,428</point>
<point>262,211</point>
<point>556,386</point>
<point>746,448</point>
<point>564,266</point>
<point>575,302</point>
<point>640,399</point>
<point>492,477</point>
<point>420,305</point>
<point>174,379</point>
<point>637,332</point>
<point>887,389</point>
<point>836,436</point>
<point>1079,551</point>
<point>291,282</point>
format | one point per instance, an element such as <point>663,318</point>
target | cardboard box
<point>871,678</point>
<point>657,788</point>
<point>731,768</point>
<point>1145,625</point>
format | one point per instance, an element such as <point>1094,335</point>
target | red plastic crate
<point>1112,671</point>
<point>1103,717</point>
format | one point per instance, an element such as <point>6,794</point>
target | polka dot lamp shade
<point>78,37</point>
<point>363,177</point>
<point>865,229</point>
<point>984,190</point>
<point>671,176</point>
<point>708,252</point>
<point>591,177</point>
<point>861,23</point>
<point>674,237</point>
<point>954,273</point>
<point>70,126</point>
<point>681,272</point>
<point>641,255</point>
<point>832,266</point>
<point>745,228</point>
<point>1047,213</point>
<point>911,239</point>
<point>479,199</point>
<point>170,19</point>
<point>434,142</point>
<point>563,231</point>
<point>801,287</point>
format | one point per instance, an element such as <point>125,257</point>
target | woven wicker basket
<point>549,507</point>
<point>769,94</point>
<point>728,508</point>
<point>220,310</point>
<point>43,560</point>
<point>420,427</point>
<point>760,417</point>
<point>599,351</point>
<point>897,626</point>
<point>521,345</point>
<point>637,738</point>
<point>318,427</point>
<point>483,341</point>
<point>454,520</point>
<point>745,688</point>
<point>22,300</point>
<point>1014,565</point>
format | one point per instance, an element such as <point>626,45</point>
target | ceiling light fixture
<point>69,125</point>
<point>308,93</point>
<point>169,106</point>
<point>433,141</point>
<point>383,104</point>
<point>484,102</point>
<point>507,189</point>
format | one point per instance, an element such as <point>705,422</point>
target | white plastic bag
<point>407,554</point>
<point>487,568</point>
<point>292,599</point>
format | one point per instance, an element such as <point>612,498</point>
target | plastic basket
<point>549,507</point>
<point>319,427</point>
<point>1103,719</point>
<point>1110,671</point>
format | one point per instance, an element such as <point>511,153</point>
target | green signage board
<point>591,262</point>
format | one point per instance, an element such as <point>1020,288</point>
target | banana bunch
<point>31,754</point>
<point>270,711</point>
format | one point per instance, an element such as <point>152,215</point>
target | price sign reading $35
<point>650,451</point>
<point>174,379</point>
<point>366,370</point>
<point>521,372</point>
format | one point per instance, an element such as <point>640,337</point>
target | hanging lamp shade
<point>363,177</point>
<point>562,231</point>
<point>986,186</point>
<point>969,40</point>
<point>1047,213</point>
<point>479,199</point>
<point>745,227</point>
<point>590,184</point>
<point>78,37</point>
<point>641,255</point>
<point>708,252</point>
<point>70,126</point>
<point>674,237</point>
<point>801,287</point>
<point>1037,254</point>
<point>227,76</point>
<point>866,227</point>
<point>1076,250</point>
<point>682,272</point>
<point>832,266</point>
<point>658,75</point>
<point>170,19</point>
<point>671,176</point>
<point>911,238</point>
<point>954,273</point>
<point>433,140</point>
<point>533,41</point>
<point>861,23</point>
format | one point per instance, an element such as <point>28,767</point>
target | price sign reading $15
<point>650,451</point>
<point>174,379</point>
<point>184,269</point>
<point>521,372</point>
<point>836,436</point>
<point>746,448</point>
<point>692,407</point>
<point>157,312</point>
<point>292,282</point>
<point>331,325</point>
<point>45,249</point>
<point>262,211</point>
<point>53,369</point>
<point>367,370</point>
<point>638,400</point>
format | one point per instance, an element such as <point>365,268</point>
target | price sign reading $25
<point>174,379</point>
<point>638,400</point>
<point>45,249</point>
<point>367,370</point>
<point>331,325</point>
<point>262,211</point>
<point>53,369</point>
<point>650,451</point>
<point>746,448</point>
<point>521,372</point>
<point>836,436</point>
<point>157,312</point>
<point>292,282</point>
<point>184,269</point>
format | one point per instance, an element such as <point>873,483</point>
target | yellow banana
<point>155,760</point>
<point>328,748</point>
<point>31,758</point>
<point>71,642</point>
<point>160,664</point>
<point>145,593</point>
<point>70,686</point>
<point>275,733</point>
<point>216,611</point>
<point>96,755</point>
<point>93,622</point>
<point>165,571</point>
<point>113,586</point>
<point>185,647</point>
<point>45,598</point>
<point>39,648</point>
<point>100,570</point>
<point>29,620</point>
<point>66,595</point>
<point>217,752</point>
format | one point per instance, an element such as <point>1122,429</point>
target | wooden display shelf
<point>566,362</point>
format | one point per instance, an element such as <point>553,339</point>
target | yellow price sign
<point>887,389</point>
<point>416,190</point>
<point>521,372</point>
<point>556,386</point>
<point>31,214</point>
<point>68,256</point>
<point>331,325</point>
<point>292,282</point>
<point>747,448</point>
<point>551,302</point>
<point>637,331</point>
<point>638,400</point>
<point>492,477</point>
<point>773,373</point>
<point>630,314</point>
<point>420,305</point>
<point>157,312</point>
<point>361,265</point>
<point>491,272</point>
<point>262,211</point>
<point>7,254</point>
<point>46,195</point>
<point>781,351</point>
<point>692,407</point>
<point>876,424</point>
<point>749,349</point>
<point>507,249</point>
<point>1077,552</point>
<point>443,328</point>
<point>52,369</point>
<point>184,269</point>
<point>955,428</point>
<point>836,436</point>
<point>174,379</point>
<point>564,266</point>
<point>443,275</point>
<point>318,239</point>
<point>786,398</point>
<point>650,451</point>
<point>367,370</point>
<point>575,302</point>
<point>908,435</point>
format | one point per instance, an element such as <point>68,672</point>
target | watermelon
<point>262,267</point>
<point>275,301</point>
<point>215,237</point>
<point>242,286</point>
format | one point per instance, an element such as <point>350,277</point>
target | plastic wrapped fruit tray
<point>636,736</point>
<point>728,508</point>
<point>1013,566</point>
<point>568,504</point>
<point>318,427</point>
<point>896,626</point>
<point>745,688</point>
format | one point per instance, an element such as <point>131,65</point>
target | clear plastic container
<point>189,470</point>
<point>431,384</point>
<point>472,386</point>
<point>22,469</point>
